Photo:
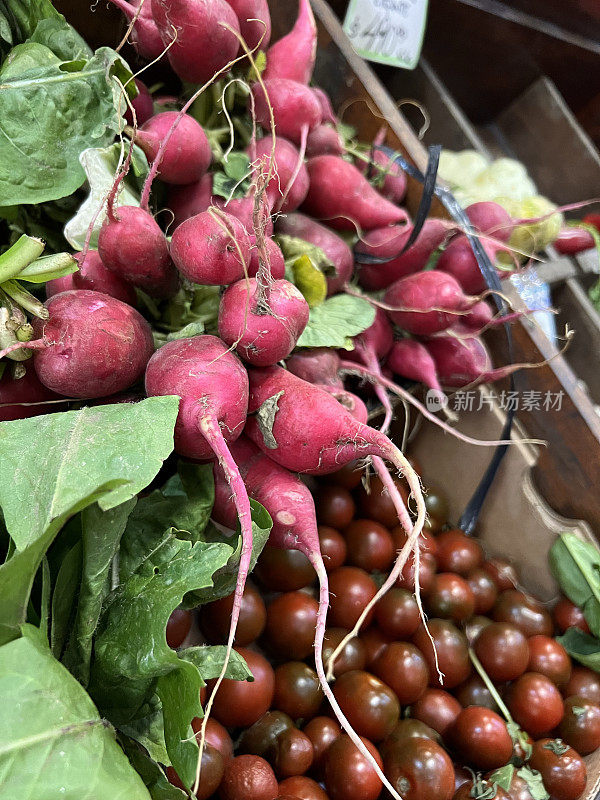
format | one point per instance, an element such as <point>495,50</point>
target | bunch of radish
<point>262,410</point>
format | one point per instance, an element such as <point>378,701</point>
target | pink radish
<point>263,323</point>
<point>479,316</point>
<point>24,397</point>
<point>203,44</point>
<point>293,56</point>
<point>90,346</point>
<point>339,194</point>
<point>350,402</point>
<point>458,260</point>
<point>326,107</point>
<point>275,256</point>
<point>324,140</point>
<point>463,360</point>
<point>94,275</point>
<point>211,249</point>
<point>334,247</point>
<point>387,242</point>
<point>388,175</point>
<point>433,301</point>
<point>571,241</point>
<point>213,387</point>
<point>318,365</point>
<point>132,245</point>
<point>491,218</point>
<point>411,359</point>
<point>145,36</point>
<point>187,155</point>
<point>243,209</point>
<point>190,199</point>
<point>289,185</point>
<point>143,104</point>
<point>296,110</point>
<point>254,20</point>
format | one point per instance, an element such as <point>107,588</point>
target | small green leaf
<point>582,647</point>
<point>336,321</point>
<point>237,166</point>
<point>63,598</point>
<point>209,661</point>
<point>576,566</point>
<point>534,781</point>
<point>310,281</point>
<point>503,776</point>
<point>293,247</point>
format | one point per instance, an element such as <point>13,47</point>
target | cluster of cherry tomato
<point>276,737</point>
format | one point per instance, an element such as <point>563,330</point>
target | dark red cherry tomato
<point>484,590</point>
<point>584,683</point>
<point>333,547</point>
<point>291,754</point>
<point>370,545</point>
<point>397,614</point>
<point>457,552</point>
<point>419,769</point>
<point>452,652</point>
<point>525,613</point>
<point>427,541</point>
<point>216,618</point>
<point>370,706</point>
<point>335,506</point>
<point>474,626</point>
<point>353,656</point>
<point>300,787</point>
<point>240,703</point>
<point>407,729</point>
<point>436,506</point>
<point>474,692</point>
<point>249,778</point>
<point>567,615</point>
<point>211,773</point>
<point>549,658</point>
<point>450,597</point>
<point>350,590</point>
<point>481,738</point>
<point>427,568</point>
<point>259,737</point>
<point>437,709</point>
<point>297,690</point>
<point>322,731</point>
<point>535,703</point>
<point>349,476</point>
<point>377,504</point>
<point>374,642</point>
<point>284,570</point>
<point>178,627</point>
<point>502,650</point>
<point>580,726</point>
<point>290,628</point>
<point>402,667</point>
<point>217,736</point>
<point>502,572</point>
<point>562,769</point>
<point>347,769</point>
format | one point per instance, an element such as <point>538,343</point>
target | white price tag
<point>387,31</point>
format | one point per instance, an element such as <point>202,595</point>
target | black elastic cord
<point>471,513</point>
<point>429,182</point>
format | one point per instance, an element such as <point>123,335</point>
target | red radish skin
<point>190,199</point>
<point>132,245</point>
<point>145,36</point>
<point>351,402</point>
<point>243,209</point>
<point>326,107</point>
<point>290,178</point>
<point>339,194</point>
<point>491,218</point>
<point>384,243</point>
<point>92,274</point>
<point>211,249</point>
<point>478,317</point>
<point>411,359</point>
<point>458,260</point>
<point>254,20</point>
<point>463,360</point>
<point>275,256</point>
<point>318,365</point>
<point>143,104</point>
<point>334,247</point>
<point>90,346</point>
<point>203,45</point>
<point>213,387</point>
<point>295,108</point>
<point>301,42</point>
<point>423,291</point>
<point>571,241</point>
<point>17,394</point>
<point>390,177</point>
<point>324,140</point>
<point>262,323</point>
<point>58,285</point>
<point>303,428</point>
<point>186,157</point>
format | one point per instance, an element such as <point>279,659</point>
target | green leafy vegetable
<point>209,661</point>
<point>53,742</point>
<point>336,321</point>
<point>53,466</point>
<point>534,782</point>
<point>51,111</point>
<point>503,776</point>
<point>582,647</point>
<point>293,247</point>
<point>234,180</point>
<point>151,773</point>
<point>63,598</point>
<point>576,566</point>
